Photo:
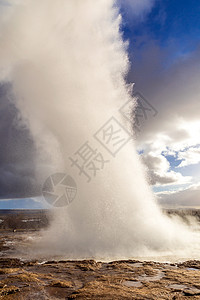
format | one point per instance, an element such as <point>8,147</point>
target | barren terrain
<point>24,278</point>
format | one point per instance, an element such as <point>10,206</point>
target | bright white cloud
<point>189,157</point>
<point>179,140</point>
<point>185,197</point>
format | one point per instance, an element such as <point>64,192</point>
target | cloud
<point>138,7</point>
<point>159,173</point>
<point>174,92</point>
<point>135,11</point>
<point>17,154</point>
<point>189,157</point>
<point>172,88</point>
<point>186,197</point>
<point>174,141</point>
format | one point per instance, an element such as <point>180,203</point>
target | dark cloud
<point>17,152</point>
<point>172,88</point>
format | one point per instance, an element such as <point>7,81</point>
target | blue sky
<point>173,20</point>
<point>25,203</point>
<point>174,25</point>
<point>164,53</point>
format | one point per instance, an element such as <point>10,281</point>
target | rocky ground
<point>95,280</point>
<point>21,277</point>
<point>88,279</point>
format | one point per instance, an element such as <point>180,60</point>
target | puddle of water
<point>157,277</point>
<point>42,262</point>
<point>135,265</point>
<point>182,287</point>
<point>177,286</point>
<point>7,243</point>
<point>78,284</point>
<point>131,283</point>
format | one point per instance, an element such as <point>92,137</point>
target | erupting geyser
<point>67,62</point>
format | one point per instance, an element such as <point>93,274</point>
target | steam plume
<point>67,62</point>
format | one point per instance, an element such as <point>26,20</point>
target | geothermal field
<point>25,274</point>
<point>97,229</point>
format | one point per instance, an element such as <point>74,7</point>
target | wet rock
<point>193,264</point>
<point>10,262</point>
<point>61,284</point>
<point>191,292</point>
<point>5,291</point>
<point>89,265</point>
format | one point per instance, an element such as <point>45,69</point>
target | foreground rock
<point>95,280</point>
<point>88,279</point>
